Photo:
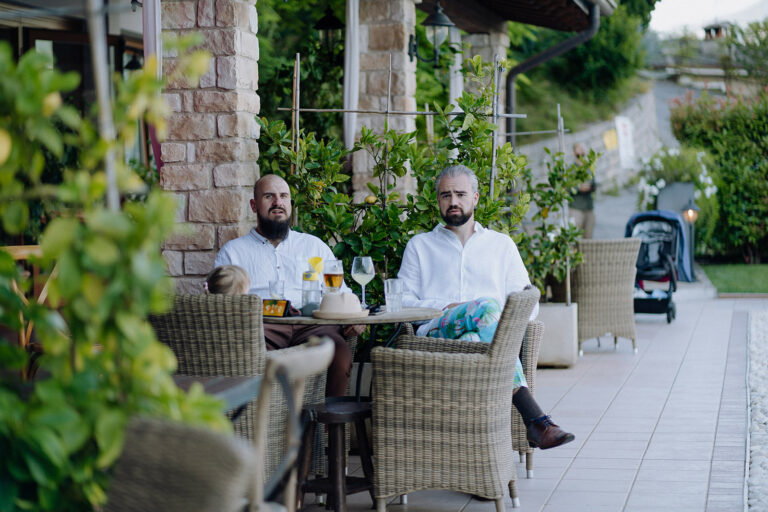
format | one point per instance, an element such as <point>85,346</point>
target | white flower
<point>657,164</point>
<point>674,151</point>
<point>551,236</point>
<point>703,169</point>
<point>710,191</point>
<point>653,190</point>
<point>646,161</point>
<point>642,183</point>
<point>661,183</point>
<point>700,155</point>
<point>696,194</point>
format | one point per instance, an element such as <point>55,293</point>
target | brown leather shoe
<point>544,434</point>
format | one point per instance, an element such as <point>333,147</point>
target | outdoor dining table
<point>398,318</point>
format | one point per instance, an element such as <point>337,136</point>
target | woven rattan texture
<point>223,335</point>
<point>177,468</point>
<point>441,415</point>
<point>603,286</point>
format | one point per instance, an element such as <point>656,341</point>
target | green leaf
<point>15,217</point>
<point>102,251</point>
<point>58,236</point>
<point>110,434</point>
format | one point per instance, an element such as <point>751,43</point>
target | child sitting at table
<point>227,279</point>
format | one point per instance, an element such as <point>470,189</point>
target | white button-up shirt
<point>437,270</point>
<point>264,262</point>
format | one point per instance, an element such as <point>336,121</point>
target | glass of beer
<point>333,275</point>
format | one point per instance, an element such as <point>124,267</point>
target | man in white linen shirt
<point>467,271</point>
<point>271,251</point>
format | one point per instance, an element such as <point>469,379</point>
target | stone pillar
<point>384,29</point>
<point>487,46</point>
<point>211,151</point>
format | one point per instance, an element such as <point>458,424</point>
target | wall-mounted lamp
<point>439,24</point>
<point>134,63</point>
<point>691,212</point>
<point>135,4</point>
<point>328,25</point>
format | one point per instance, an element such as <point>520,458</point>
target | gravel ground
<point>758,402</point>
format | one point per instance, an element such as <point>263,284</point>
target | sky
<point>671,16</point>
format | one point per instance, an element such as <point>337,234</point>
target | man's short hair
<point>452,171</point>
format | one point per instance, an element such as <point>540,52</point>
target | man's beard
<point>456,219</point>
<point>273,229</point>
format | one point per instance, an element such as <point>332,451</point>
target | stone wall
<point>385,26</point>
<point>211,152</point>
<point>601,137</point>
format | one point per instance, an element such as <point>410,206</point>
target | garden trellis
<point>296,110</point>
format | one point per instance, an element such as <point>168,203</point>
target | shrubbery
<point>733,130</point>
<point>687,165</point>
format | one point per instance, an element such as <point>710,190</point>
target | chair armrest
<point>445,345</point>
<point>529,351</point>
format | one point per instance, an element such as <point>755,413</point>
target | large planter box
<point>560,343</point>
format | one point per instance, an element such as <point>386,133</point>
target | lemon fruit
<point>316,262</point>
<point>51,103</point>
<point>5,146</point>
<point>370,199</point>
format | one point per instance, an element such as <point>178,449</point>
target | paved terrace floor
<point>664,429</point>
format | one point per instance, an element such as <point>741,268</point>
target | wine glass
<point>363,272</point>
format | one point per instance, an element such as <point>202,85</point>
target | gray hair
<point>453,171</point>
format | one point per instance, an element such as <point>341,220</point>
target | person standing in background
<point>582,208</point>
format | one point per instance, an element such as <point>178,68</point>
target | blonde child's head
<point>228,279</point>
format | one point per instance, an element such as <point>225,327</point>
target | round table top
<point>406,315</point>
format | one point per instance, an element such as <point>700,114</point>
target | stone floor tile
<point>667,501</point>
<point>584,499</point>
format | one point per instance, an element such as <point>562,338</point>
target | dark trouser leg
<point>338,372</point>
<point>526,405</point>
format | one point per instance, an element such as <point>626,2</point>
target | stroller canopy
<point>683,258</point>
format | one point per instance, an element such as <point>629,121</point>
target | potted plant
<point>61,434</point>
<point>549,251</point>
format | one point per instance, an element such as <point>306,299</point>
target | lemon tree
<point>61,434</point>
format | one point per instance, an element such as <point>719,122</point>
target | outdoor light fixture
<point>328,25</point>
<point>134,63</point>
<point>690,212</point>
<point>439,24</point>
<point>135,4</point>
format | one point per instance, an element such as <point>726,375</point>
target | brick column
<point>487,46</point>
<point>384,29</point>
<point>211,151</point>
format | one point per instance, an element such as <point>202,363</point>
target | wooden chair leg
<point>304,461</point>
<point>381,505</point>
<point>337,464</point>
<point>364,447</point>
<point>513,494</point>
<point>499,505</point>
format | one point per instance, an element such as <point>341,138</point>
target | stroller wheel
<point>670,315</point>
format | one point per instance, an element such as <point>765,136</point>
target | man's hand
<point>353,330</point>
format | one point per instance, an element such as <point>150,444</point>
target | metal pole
<point>98,39</point>
<point>561,143</point>
<point>494,119</point>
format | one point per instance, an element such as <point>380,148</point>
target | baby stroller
<point>661,259</point>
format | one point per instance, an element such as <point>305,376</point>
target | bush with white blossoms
<point>688,165</point>
<point>671,165</point>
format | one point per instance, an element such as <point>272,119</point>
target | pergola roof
<point>475,16</point>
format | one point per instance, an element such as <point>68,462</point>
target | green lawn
<point>737,278</point>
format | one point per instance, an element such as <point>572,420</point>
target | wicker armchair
<point>603,287</point>
<point>172,467</point>
<point>441,415</point>
<point>223,335</point>
<point>529,356</point>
